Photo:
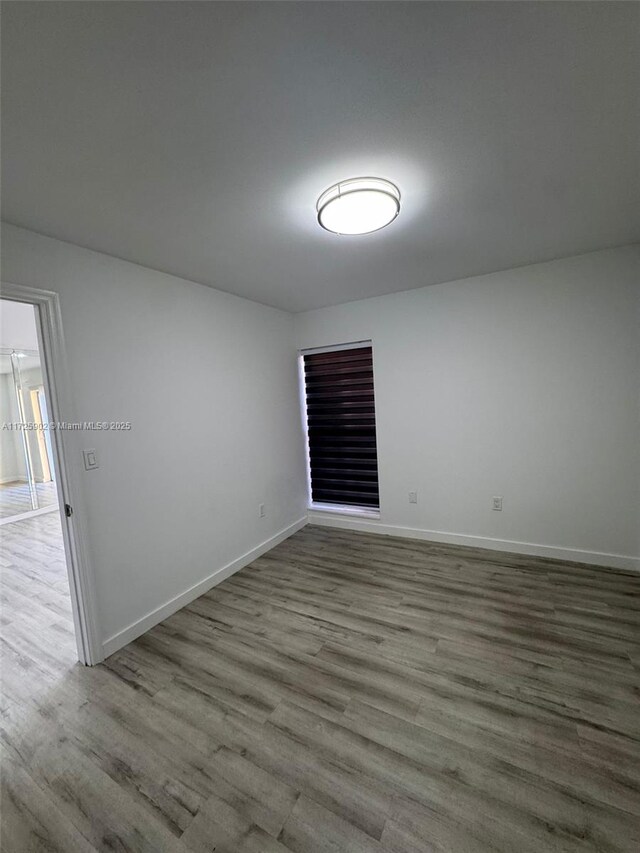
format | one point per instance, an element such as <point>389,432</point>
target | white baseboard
<point>574,555</point>
<point>141,626</point>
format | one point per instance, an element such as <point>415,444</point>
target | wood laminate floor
<point>347,693</point>
<point>15,498</point>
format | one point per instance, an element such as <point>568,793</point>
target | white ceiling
<point>195,137</point>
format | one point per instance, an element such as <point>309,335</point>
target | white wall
<point>18,326</point>
<point>523,384</point>
<point>17,331</point>
<point>176,498</point>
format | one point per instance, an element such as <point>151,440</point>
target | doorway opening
<point>47,618</point>
<point>37,618</point>
<point>26,455</point>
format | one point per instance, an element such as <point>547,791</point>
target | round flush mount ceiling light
<point>358,206</point>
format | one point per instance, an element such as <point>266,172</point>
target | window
<point>341,427</point>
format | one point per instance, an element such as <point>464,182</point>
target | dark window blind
<point>341,423</point>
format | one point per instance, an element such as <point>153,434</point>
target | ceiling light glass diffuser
<point>358,206</point>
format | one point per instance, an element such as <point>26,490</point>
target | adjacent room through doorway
<point>36,629</point>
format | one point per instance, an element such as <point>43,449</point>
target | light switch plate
<point>90,459</point>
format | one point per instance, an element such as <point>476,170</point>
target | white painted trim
<point>335,347</point>
<point>32,513</point>
<point>57,384</point>
<point>141,626</point>
<point>574,555</point>
<point>302,392</point>
<point>5,480</point>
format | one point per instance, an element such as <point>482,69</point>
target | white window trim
<point>336,347</point>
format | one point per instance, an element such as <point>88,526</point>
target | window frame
<point>319,506</point>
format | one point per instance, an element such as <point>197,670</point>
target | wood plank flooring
<point>15,497</point>
<point>35,604</point>
<point>345,692</point>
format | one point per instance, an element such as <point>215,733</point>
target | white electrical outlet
<point>413,497</point>
<point>496,503</point>
<point>261,511</point>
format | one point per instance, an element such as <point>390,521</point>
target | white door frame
<point>74,530</point>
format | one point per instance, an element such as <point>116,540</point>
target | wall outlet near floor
<point>261,511</point>
<point>413,497</point>
<point>496,503</point>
